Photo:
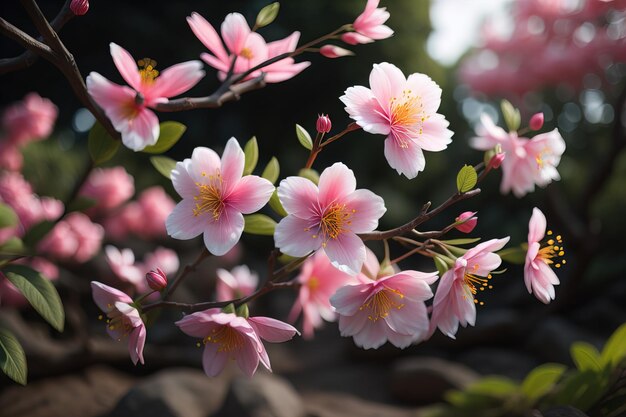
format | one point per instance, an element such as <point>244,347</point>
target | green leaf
<point>272,170</point>
<point>515,255</point>
<point>495,386</point>
<point>462,241</point>
<point>12,246</point>
<point>8,217</point>
<point>37,232</point>
<point>170,133</point>
<point>81,204</point>
<point>441,265</point>
<point>511,115</point>
<point>251,150</point>
<point>582,389</point>
<point>101,145</point>
<point>466,179</point>
<point>310,174</point>
<point>615,348</point>
<point>267,15</point>
<point>164,165</point>
<point>243,311</point>
<point>276,205</point>
<point>230,309</point>
<point>39,292</point>
<point>259,224</point>
<point>541,380</point>
<point>303,137</point>
<point>585,356</point>
<point>12,357</point>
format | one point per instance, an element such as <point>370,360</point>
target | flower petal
<point>299,196</point>
<point>105,297</point>
<point>136,343</point>
<point>405,157</point>
<point>364,109</point>
<point>387,82</point>
<point>182,223</point>
<point>232,163</point>
<point>294,236</point>
<point>213,360</point>
<point>272,330</point>
<point>205,163</point>
<point>335,184</point>
<point>250,194</point>
<point>207,34</point>
<point>221,235</point>
<point>346,253</point>
<point>142,130</point>
<point>235,31</point>
<point>536,226</point>
<point>177,79</point>
<point>366,208</point>
<point>126,65</point>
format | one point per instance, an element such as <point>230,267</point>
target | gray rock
<point>264,395</point>
<point>173,393</point>
<point>324,404</point>
<point>564,411</point>
<point>425,380</point>
<point>498,361</point>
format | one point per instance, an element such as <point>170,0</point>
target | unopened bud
<point>496,161</point>
<point>469,222</point>
<point>536,122</point>
<point>79,7</point>
<point>157,280</point>
<point>354,38</point>
<point>323,124</point>
<point>332,51</point>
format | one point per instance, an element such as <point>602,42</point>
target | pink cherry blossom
<point>454,301</point>
<point>214,197</point>
<point>369,24</point>
<point>239,282</point>
<point>226,336</point>
<point>540,279</point>
<point>528,162</point>
<point>403,109</point>
<point>328,217</point>
<point>128,108</point>
<point>469,222</point>
<point>110,187</point>
<point>332,51</point>
<point>384,306</point>
<point>248,48</point>
<point>30,119</point>
<point>75,238</point>
<point>123,319</point>
<point>162,258</point>
<point>318,279</point>
<point>126,268</point>
<point>157,279</point>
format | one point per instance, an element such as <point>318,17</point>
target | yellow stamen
<point>335,221</point>
<point>246,53</point>
<point>147,70</point>
<point>209,198</point>
<point>227,338</point>
<point>380,304</point>
<point>407,116</point>
<point>313,283</point>
<point>551,249</point>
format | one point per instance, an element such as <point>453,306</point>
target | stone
<point>264,395</point>
<point>564,411</point>
<point>498,361</point>
<point>325,404</point>
<point>425,380</point>
<point>176,392</point>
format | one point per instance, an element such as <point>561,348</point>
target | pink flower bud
<point>157,280</point>
<point>469,224</point>
<point>496,161</point>
<point>323,124</point>
<point>79,7</point>
<point>536,122</point>
<point>332,51</point>
<point>353,38</point>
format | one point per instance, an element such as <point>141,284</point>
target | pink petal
<point>142,130</point>
<point>221,235</point>
<point>250,194</point>
<point>386,81</point>
<point>435,136</point>
<point>346,253</point>
<point>182,223</point>
<point>272,330</point>
<point>136,343</point>
<point>299,196</point>
<point>294,236</point>
<point>372,336</point>
<point>177,79</point>
<point>536,226</point>
<point>233,160</point>
<point>216,62</point>
<point>351,325</point>
<point>126,65</point>
<point>285,73</point>
<point>205,163</point>
<point>354,38</point>
<point>118,102</point>
<point>378,32</point>
<point>336,182</point>
<point>105,297</point>
<point>198,324</point>
<point>348,299</point>
<point>366,208</point>
<point>205,32</point>
<point>213,361</point>
<point>407,160</point>
<point>281,46</point>
<point>364,109</point>
<point>184,185</point>
<point>235,31</point>
<point>248,358</point>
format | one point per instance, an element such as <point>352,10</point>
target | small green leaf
<point>441,265</point>
<point>585,356</point>
<point>276,205</point>
<point>81,204</point>
<point>37,232</point>
<point>164,165</point>
<point>251,150</point>
<point>170,133</point>
<point>511,115</point>
<point>243,311</point>
<point>39,292</point>
<point>272,170</point>
<point>303,137</point>
<point>582,389</point>
<point>516,255</point>
<point>12,357</point>
<point>259,224</point>
<point>462,241</point>
<point>267,15</point>
<point>310,174</point>
<point>12,246</point>
<point>496,386</point>
<point>101,145</point>
<point>615,348</point>
<point>8,217</point>
<point>541,380</point>
<point>466,179</point>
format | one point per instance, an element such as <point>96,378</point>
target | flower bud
<point>323,124</point>
<point>332,51</point>
<point>79,7</point>
<point>536,122</point>
<point>157,280</point>
<point>496,161</point>
<point>469,221</point>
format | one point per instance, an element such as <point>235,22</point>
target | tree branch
<point>26,40</point>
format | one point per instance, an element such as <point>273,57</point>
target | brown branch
<point>424,216</point>
<point>185,271</point>
<point>26,40</point>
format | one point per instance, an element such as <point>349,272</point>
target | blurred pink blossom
<point>110,187</point>
<point>74,239</point>
<point>30,119</point>
<point>239,282</point>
